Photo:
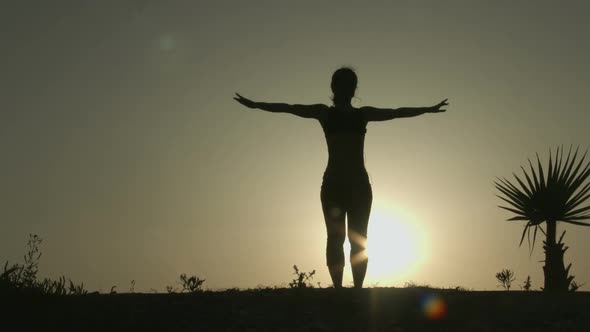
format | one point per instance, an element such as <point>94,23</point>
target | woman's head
<point>343,86</point>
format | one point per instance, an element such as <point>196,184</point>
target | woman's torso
<point>345,136</point>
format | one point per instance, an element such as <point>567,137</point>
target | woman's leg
<point>358,221</point>
<point>335,226</point>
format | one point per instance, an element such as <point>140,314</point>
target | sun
<point>396,246</point>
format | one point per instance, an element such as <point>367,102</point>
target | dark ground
<point>373,309</point>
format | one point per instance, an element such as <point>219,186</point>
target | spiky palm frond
<point>558,196</point>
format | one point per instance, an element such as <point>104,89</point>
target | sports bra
<point>344,122</point>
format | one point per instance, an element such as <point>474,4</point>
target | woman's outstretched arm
<point>382,114</point>
<point>305,111</point>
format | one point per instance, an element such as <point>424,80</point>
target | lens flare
<point>434,307</point>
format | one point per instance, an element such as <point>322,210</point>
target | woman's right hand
<point>245,101</point>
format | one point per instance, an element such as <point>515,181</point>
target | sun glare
<point>396,246</point>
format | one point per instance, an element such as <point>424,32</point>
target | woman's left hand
<point>437,108</point>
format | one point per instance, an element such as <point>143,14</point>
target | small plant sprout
<point>132,287</point>
<point>505,278</point>
<point>303,279</point>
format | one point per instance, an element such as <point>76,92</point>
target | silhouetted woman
<point>346,190</point>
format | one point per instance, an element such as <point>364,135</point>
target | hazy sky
<point>122,147</point>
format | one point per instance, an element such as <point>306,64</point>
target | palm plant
<point>559,196</point>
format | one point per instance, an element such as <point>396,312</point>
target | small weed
<point>57,287</point>
<point>23,277</point>
<point>505,278</point>
<point>303,279</point>
<point>76,289</point>
<point>574,286</point>
<point>31,266</point>
<point>232,290</point>
<point>10,279</point>
<point>191,284</point>
<point>412,284</point>
<point>261,287</point>
<point>527,284</point>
